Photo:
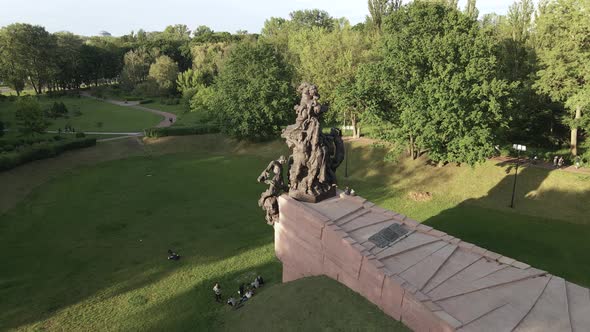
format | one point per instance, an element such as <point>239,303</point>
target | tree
<point>328,58</point>
<point>164,71</point>
<point>12,71</point>
<point>136,69</point>
<point>68,60</point>
<point>30,117</point>
<point>563,31</point>
<point>379,9</point>
<point>310,18</point>
<point>471,9</point>
<point>30,50</point>
<point>253,94</point>
<point>440,83</point>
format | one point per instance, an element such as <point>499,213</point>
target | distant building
<point>104,34</point>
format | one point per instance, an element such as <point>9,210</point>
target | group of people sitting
<point>173,256</point>
<point>244,294</point>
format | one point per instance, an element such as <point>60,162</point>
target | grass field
<point>96,115</point>
<point>85,247</point>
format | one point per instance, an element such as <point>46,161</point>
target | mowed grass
<point>548,228</point>
<point>86,251</point>
<point>96,115</point>
<point>301,304</point>
<point>75,260</point>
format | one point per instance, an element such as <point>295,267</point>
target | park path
<point>168,118</point>
<point>542,164</point>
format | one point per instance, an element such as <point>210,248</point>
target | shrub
<point>42,150</point>
<point>80,135</point>
<point>208,128</point>
<point>146,101</point>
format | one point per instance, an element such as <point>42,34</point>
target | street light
<point>518,148</point>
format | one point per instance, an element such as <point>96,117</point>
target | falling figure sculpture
<point>315,156</point>
<point>273,176</point>
<point>313,162</point>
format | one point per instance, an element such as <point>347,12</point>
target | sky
<point>119,17</point>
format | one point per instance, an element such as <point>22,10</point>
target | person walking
<point>560,162</point>
<point>555,160</point>
<point>217,292</point>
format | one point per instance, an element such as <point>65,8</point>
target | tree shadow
<point>528,232</point>
<point>52,262</point>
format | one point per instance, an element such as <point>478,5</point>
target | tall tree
<point>379,9</point>
<point>164,71</point>
<point>563,31</point>
<point>253,94</point>
<point>310,18</point>
<point>31,49</point>
<point>29,117</point>
<point>471,9</point>
<point>137,67</point>
<point>441,83</point>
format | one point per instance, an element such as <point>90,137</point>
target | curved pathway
<point>168,118</point>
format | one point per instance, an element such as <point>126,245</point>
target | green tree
<point>379,9</point>
<point>136,68</point>
<point>440,81</point>
<point>164,71</point>
<point>328,58</point>
<point>29,117</point>
<point>310,18</point>
<point>29,50</point>
<point>12,71</point>
<point>253,94</point>
<point>563,29</point>
<point>471,9</point>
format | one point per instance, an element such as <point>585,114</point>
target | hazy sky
<point>88,17</point>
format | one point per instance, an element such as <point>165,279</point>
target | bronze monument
<point>314,159</point>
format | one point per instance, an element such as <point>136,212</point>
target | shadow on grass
<point>67,244</point>
<point>559,247</point>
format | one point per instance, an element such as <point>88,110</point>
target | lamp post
<point>518,148</point>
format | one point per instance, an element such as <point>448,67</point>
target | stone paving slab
<point>429,280</point>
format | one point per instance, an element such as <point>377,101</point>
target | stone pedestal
<point>429,280</point>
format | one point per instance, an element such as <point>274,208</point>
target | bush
<point>1,128</point>
<point>146,101</point>
<point>80,135</point>
<point>42,150</point>
<point>208,128</point>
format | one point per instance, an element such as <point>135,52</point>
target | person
<point>260,280</point>
<point>249,294</point>
<point>255,283</point>
<point>172,255</point>
<point>232,302</point>
<point>578,159</point>
<point>241,290</point>
<point>217,292</point>
<point>555,160</point>
<point>171,120</point>
<point>560,162</point>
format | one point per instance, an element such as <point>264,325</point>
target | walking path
<point>169,118</point>
<point>542,164</point>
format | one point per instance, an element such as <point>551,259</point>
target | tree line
<point>427,76</point>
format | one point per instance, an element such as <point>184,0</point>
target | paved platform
<point>429,280</point>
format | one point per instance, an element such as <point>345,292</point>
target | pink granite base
<point>430,281</point>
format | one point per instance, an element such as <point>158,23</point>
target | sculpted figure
<point>315,155</point>
<point>273,176</point>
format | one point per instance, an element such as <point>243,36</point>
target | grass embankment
<point>87,250</point>
<point>548,228</point>
<point>95,115</point>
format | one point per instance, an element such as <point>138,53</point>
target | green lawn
<point>86,248</point>
<point>96,115</point>
<point>549,226</point>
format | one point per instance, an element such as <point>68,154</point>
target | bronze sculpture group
<point>313,162</point>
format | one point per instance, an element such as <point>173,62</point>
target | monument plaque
<point>388,235</point>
